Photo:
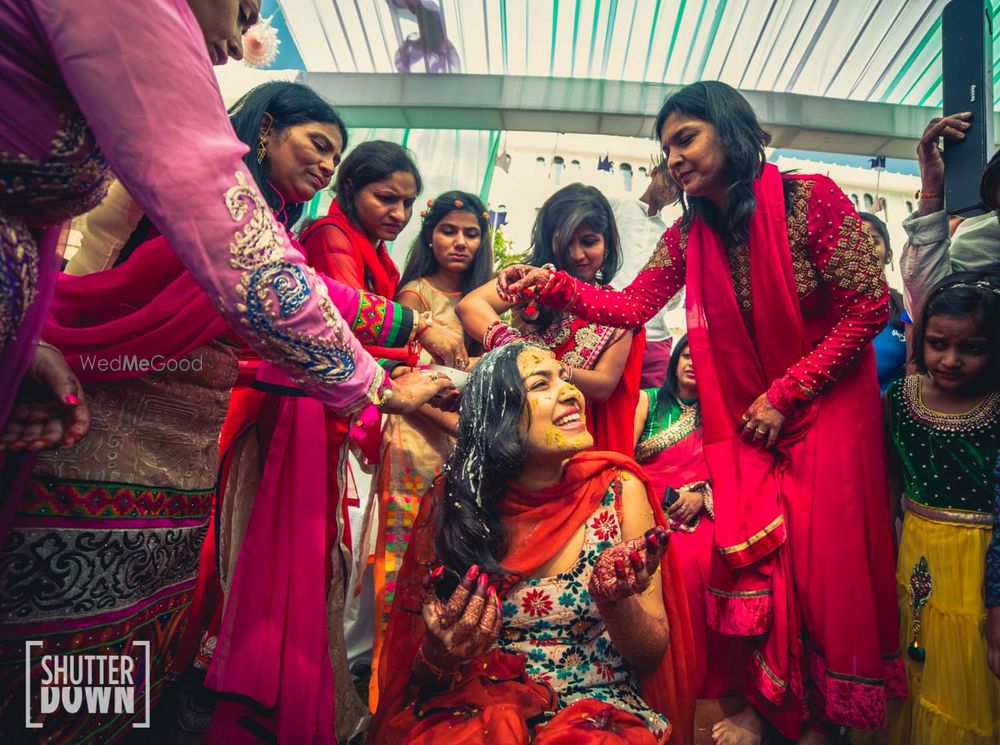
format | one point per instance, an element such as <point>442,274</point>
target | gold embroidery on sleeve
<point>804,271</point>
<point>275,290</point>
<point>661,255</point>
<point>854,263</point>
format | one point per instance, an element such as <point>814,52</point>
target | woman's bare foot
<point>745,728</point>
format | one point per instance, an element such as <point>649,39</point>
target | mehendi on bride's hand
<point>464,627</point>
<point>627,569</point>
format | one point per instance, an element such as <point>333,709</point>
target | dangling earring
<point>262,143</point>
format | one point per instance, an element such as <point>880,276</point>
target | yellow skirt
<point>954,698</point>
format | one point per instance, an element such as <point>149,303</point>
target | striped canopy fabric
<point>886,51</point>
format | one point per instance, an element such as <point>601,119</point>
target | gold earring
<point>262,143</point>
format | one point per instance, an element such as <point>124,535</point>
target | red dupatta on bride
<point>555,513</point>
<point>752,586</point>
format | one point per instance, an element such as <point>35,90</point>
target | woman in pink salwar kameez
<point>93,87</point>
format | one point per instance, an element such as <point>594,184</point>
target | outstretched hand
<point>466,626</point>
<point>412,390</point>
<point>627,569</point>
<point>445,346</point>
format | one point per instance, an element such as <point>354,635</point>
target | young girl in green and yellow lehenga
<point>943,426</point>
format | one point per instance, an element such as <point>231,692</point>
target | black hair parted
<point>375,160</point>
<point>420,260</point>
<point>559,217</point>
<point>743,140</point>
<point>974,294</point>
<point>288,104</point>
<point>488,455</point>
<point>670,385</point>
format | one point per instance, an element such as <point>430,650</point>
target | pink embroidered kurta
<point>138,77</point>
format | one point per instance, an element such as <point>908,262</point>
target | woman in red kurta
<point>803,566</point>
<point>376,187</point>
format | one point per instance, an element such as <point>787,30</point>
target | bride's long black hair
<point>489,454</point>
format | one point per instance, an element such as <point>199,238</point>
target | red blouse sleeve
<point>329,252</point>
<point>849,266</point>
<point>653,287</point>
<point>380,324</point>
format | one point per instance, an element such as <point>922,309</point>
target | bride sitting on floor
<point>538,599</point>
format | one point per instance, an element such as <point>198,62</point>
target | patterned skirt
<point>101,558</point>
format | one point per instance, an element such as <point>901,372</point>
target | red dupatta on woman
<point>753,592</point>
<point>555,513</point>
<point>364,267</point>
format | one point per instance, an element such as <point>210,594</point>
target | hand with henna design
<point>627,569</point>
<point>464,627</point>
<point>514,281</point>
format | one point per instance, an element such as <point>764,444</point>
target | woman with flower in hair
<point>574,231</point>
<point>451,256</point>
<point>539,599</point>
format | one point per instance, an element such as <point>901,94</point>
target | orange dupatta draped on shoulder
<point>555,513</point>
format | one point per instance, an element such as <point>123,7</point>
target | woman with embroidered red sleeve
<point>803,566</point>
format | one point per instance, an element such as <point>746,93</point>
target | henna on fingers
<point>468,622</point>
<point>452,610</point>
<point>489,626</point>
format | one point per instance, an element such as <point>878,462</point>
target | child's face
<point>956,352</point>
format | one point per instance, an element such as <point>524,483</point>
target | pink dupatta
<point>273,644</point>
<point>148,308</point>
